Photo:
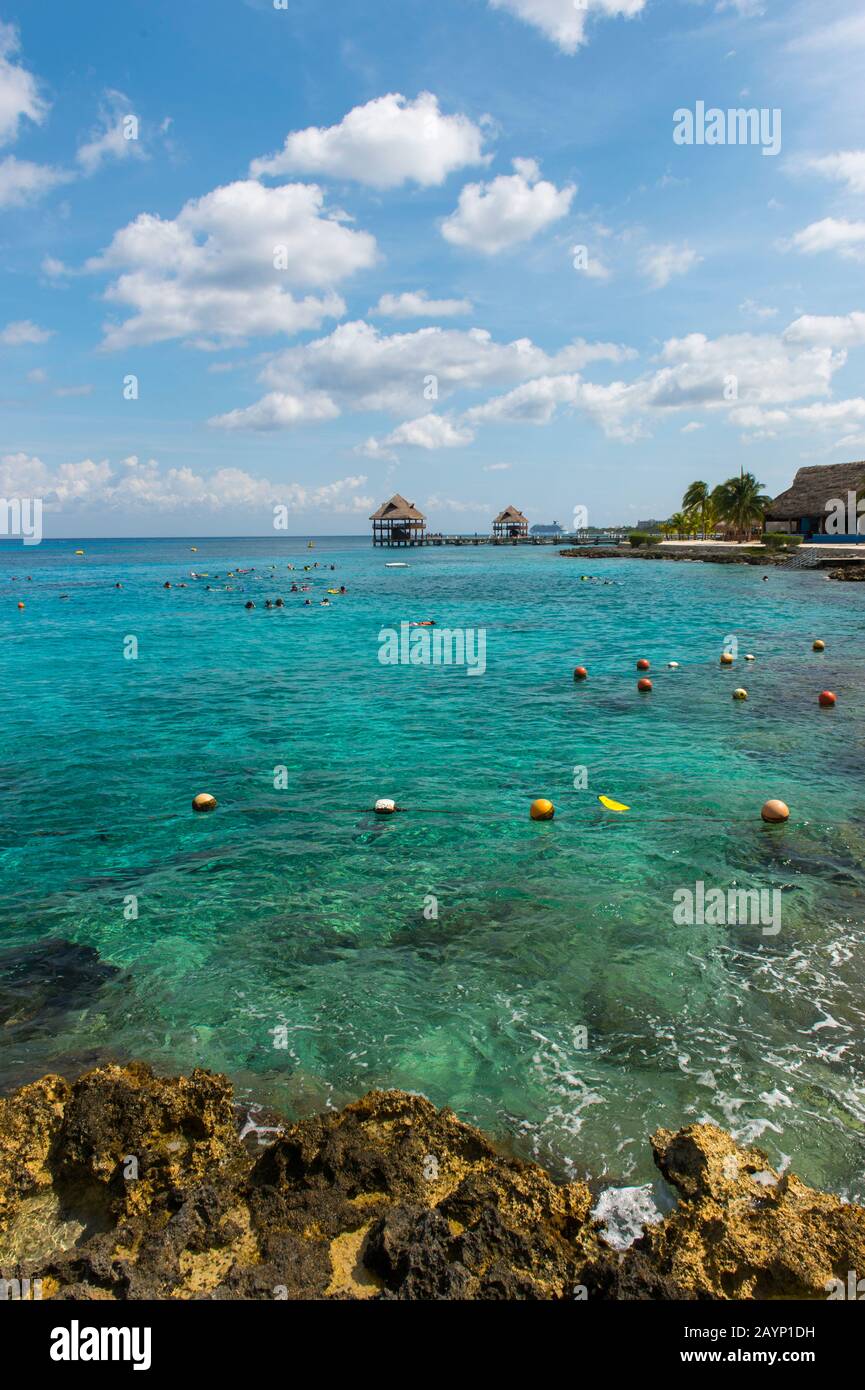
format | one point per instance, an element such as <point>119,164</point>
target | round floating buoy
<point>818,646</point>
<point>740,694</point>
<point>580,673</point>
<point>20,604</point>
<point>542,809</point>
<point>827,699</point>
<point>79,552</point>
<point>204,802</point>
<point>726,658</point>
<point>775,811</point>
<point>673,665</point>
<point>642,664</point>
<point>750,657</point>
<point>644,684</point>
<point>384,806</point>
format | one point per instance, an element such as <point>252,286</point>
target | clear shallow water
<point>298,908</point>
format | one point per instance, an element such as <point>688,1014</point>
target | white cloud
<point>23,331</point>
<point>416,304</point>
<point>743,7</point>
<point>694,372</point>
<point>661,263</point>
<point>427,432</point>
<point>359,368</point>
<point>22,182</point>
<point>111,138</point>
<point>388,142</point>
<point>496,467</point>
<point>692,427</point>
<point>827,330</point>
<point>696,369</point>
<point>512,208</point>
<point>564,21</point>
<point>19,93</point>
<point>453,504</point>
<point>844,34</point>
<point>538,402</point>
<point>831,234</point>
<point>277,411</point>
<point>757,311</point>
<point>133,485</point>
<point>845,417</point>
<point>211,271</point>
<point>847,167</point>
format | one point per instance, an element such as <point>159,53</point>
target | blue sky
<point>338,258</point>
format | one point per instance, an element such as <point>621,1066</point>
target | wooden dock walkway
<point>479,539</point>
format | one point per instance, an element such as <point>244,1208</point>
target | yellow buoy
<point>740,694</point>
<point>204,802</point>
<point>612,805</point>
<point>542,810</point>
<point>726,659</point>
<point>818,646</point>
<point>775,811</point>
<point>79,552</point>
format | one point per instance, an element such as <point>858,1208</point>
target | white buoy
<point>673,665</point>
<point>384,806</point>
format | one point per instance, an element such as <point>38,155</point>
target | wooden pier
<point>399,525</point>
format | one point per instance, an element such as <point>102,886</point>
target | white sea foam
<point>625,1211</point>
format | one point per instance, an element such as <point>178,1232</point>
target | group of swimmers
<point>307,603</point>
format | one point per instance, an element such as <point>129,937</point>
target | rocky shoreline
<point>128,1185</point>
<point>845,567</point>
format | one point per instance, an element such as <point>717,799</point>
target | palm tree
<point>710,516</point>
<point>695,500</point>
<point>678,522</point>
<point>741,503</point>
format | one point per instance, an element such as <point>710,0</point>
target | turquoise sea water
<point>296,909</point>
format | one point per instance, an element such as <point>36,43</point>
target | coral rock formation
<point>125,1185</point>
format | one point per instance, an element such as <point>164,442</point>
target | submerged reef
<point>128,1185</point>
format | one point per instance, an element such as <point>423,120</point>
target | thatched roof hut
<point>805,507</point>
<point>398,522</point>
<point>510,523</point>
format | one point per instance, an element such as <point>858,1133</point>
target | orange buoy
<point>204,802</point>
<point>642,664</point>
<point>20,604</point>
<point>775,811</point>
<point>726,658</point>
<point>818,646</point>
<point>827,699</point>
<point>644,683</point>
<point>542,809</point>
<point>580,673</point>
